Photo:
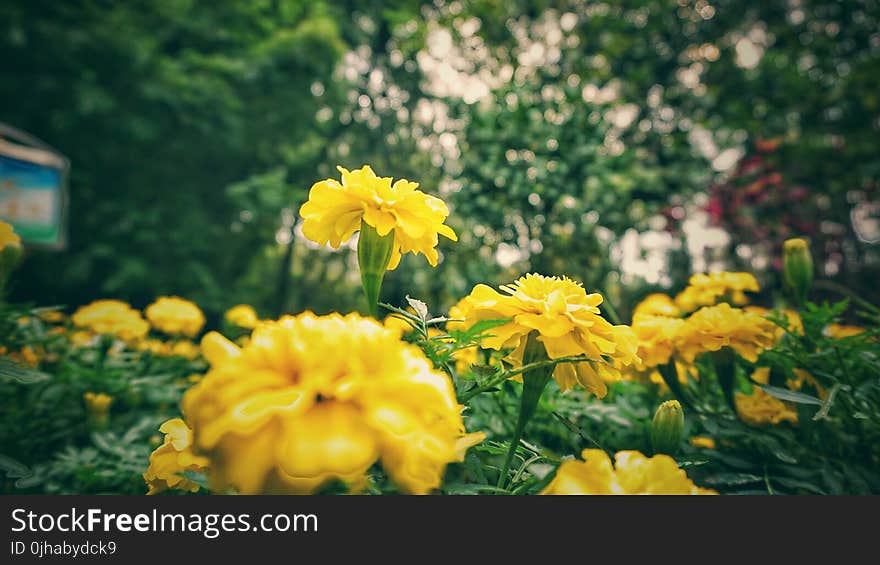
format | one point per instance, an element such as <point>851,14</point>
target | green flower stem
<point>725,367</point>
<point>497,380</point>
<point>670,377</point>
<point>374,253</point>
<point>534,382</point>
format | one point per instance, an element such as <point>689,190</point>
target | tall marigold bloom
<point>112,317</point>
<point>172,458</point>
<point>632,473</point>
<point>175,316</point>
<point>714,327</point>
<point>243,316</point>
<point>709,289</point>
<point>334,211</point>
<point>289,413</point>
<point>567,322</point>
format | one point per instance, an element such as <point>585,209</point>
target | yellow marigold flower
<point>112,317</point>
<point>172,458</point>
<point>98,404</point>
<point>243,316</point>
<point>657,338</point>
<point>840,331</point>
<point>568,322</point>
<point>8,237</point>
<point>657,304</point>
<point>703,442</point>
<point>288,412</point>
<point>709,289</point>
<point>760,408</point>
<point>334,211</point>
<point>714,327</point>
<point>185,348</point>
<point>632,473</point>
<point>175,316</point>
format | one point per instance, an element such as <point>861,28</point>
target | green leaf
<point>790,395</point>
<point>13,468</point>
<point>24,375</point>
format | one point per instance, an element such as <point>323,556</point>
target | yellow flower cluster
<point>175,316</point>
<point>179,348</point>
<point>172,458</point>
<point>709,289</point>
<point>112,317</point>
<point>713,327</point>
<point>567,322</point>
<point>334,211</point>
<point>668,332</point>
<point>632,473</point>
<point>288,413</point>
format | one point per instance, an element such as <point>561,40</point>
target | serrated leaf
<point>790,395</point>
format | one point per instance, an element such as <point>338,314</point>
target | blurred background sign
<point>33,188</point>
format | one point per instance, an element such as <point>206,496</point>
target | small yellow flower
<point>567,321</point>
<point>185,348</point>
<point>8,237</point>
<point>714,327</point>
<point>154,346</point>
<point>334,211</point>
<point>703,442</point>
<point>52,316</point>
<point>760,408</point>
<point>98,404</point>
<point>315,398</point>
<point>840,331</point>
<point>172,458</point>
<point>175,316</point>
<point>243,316</point>
<point>10,250</point>
<point>112,317</point>
<point>709,289</point>
<point>657,304</point>
<point>632,473</point>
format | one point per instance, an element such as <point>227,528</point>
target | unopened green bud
<point>797,268</point>
<point>667,427</point>
<point>374,254</point>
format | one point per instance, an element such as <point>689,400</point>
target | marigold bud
<point>797,267</point>
<point>667,427</point>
